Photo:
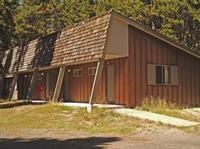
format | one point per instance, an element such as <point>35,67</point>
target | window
<point>162,74</point>
<point>77,72</point>
<point>91,71</point>
<point>159,74</point>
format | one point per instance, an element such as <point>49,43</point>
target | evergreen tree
<point>7,9</point>
<point>179,20</point>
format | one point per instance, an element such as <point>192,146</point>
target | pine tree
<point>7,9</point>
<point>179,20</point>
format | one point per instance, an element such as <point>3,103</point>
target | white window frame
<point>91,71</point>
<point>77,72</point>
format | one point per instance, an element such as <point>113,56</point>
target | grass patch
<point>162,106</point>
<point>51,116</point>
<point>193,129</point>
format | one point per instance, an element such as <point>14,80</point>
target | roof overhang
<point>53,67</point>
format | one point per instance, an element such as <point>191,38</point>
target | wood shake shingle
<point>80,43</point>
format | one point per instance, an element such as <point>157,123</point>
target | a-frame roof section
<point>154,34</point>
<point>80,43</point>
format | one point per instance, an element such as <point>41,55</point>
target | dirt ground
<point>147,135</point>
<point>163,138</point>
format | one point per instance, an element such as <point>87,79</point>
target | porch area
<point>74,84</point>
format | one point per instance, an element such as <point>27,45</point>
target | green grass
<point>51,116</point>
<point>161,106</point>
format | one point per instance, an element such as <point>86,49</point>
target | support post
<point>96,81</point>
<point>32,84</point>
<point>13,85</point>
<point>59,83</point>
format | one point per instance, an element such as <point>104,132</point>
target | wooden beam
<point>13,85</point>
<point>59,83</point>
<point>96,82</point>
<point>47,85</point>
<point>32,84</point>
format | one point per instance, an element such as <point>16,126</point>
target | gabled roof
<point>79,43</point>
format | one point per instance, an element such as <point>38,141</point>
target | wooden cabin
<point>106,59</point>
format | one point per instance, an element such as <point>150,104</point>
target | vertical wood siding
<point>53,75</point>
<point>80,87</point>
<point>131,75</point>
<point>145,49</point>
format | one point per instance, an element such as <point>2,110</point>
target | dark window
<point>163,74</point>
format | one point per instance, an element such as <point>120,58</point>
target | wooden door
<point>110,83</point>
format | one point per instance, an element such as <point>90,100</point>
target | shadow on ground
<point>10,104</point>
<point>48,143</point>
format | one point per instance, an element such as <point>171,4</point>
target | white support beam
<point>13,86</point>
<point>32,84</point>
<point>59,83</point>
<point>96,82</point>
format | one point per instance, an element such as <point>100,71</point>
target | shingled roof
<point>82,42</point>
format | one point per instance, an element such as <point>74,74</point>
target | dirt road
<point>58,139</point>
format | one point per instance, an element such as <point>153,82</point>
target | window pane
<point>166,74</point>
<point>159,74</point>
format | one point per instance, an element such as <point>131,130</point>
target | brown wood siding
<point>53,75</point>
<point>80,87</point>
<point>145,49</point>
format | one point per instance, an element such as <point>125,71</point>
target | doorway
<point>110,85</point>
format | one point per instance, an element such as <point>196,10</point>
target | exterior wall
<point>117,40</point>
<point>51,79</point>
<point>145,49</point>
<point>80,87</point>
<point>43,88</point>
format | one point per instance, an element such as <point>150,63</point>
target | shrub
<point>148,103</point>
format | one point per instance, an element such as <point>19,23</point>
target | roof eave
<point>155,34</point>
